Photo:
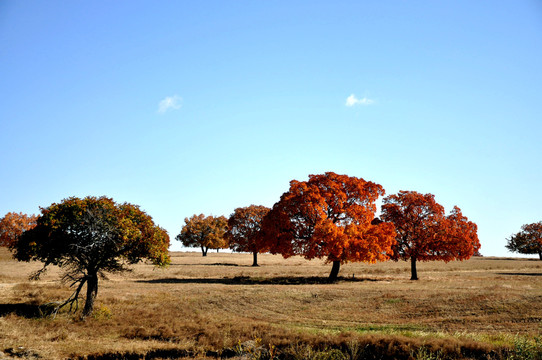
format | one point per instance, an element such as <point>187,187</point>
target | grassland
<point>219,305</point>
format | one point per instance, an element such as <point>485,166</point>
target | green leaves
<point>93,234</point>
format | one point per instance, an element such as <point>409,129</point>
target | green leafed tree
<point>89,237</point>
<point>206,232</point>
<point>528,240</point>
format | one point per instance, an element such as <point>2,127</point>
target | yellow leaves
<point>201,230</point>
<point>99,227</point>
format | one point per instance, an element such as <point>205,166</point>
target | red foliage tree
<point>424,233</point>
<point>528,240</point>
<point>12,225</point>
<point>244,227</point>
<point>329,216</point>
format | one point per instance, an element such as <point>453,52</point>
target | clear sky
<point>188,107</point>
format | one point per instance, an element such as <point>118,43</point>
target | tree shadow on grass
<point>246,280</point>
<point>213,264</point>
<point>494,258</point>
<point>519,274</point>
<point>29,311</point>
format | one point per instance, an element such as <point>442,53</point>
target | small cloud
<point>170,102</point>
<point>352,101</point>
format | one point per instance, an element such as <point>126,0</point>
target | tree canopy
<point>244,230</point>
<point>12,225</point>
<point>89,237</point>
<point>528,240</point>
<point>424,232</point>
<point>207,232</point>
<point>329,216</point>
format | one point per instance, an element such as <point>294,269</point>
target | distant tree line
<point>329,216</point>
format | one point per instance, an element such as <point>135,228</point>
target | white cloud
<point>170,102</point>
<point>352,100</point>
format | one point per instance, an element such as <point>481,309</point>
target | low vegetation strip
<point>366,348</point>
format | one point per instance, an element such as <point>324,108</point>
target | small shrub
<point>307,352</point>
<point>102,313</point>
<point>424,353</point>
<point>525,349</point>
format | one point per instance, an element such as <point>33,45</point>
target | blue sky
<point>188,107</point>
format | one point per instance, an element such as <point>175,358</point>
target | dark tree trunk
<point>413,272</point>
<point>540,255</point>
<point>255,258</point>
<point>334,271</point>
<point>204,250</point>
<point>92,291</point>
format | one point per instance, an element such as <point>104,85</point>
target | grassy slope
<point>214,302</point>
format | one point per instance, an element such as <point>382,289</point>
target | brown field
<point>206,307</point>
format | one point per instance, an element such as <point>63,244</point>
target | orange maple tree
<point>329,216</point>
<point>203,231</point>
<point>12,225</point>
<point>244,230</point>
<point>424,233</point>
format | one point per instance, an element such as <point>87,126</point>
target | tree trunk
<point>255,258</point>
<point>334,270</point>
<point>217,250</point>
<point>204,250</point>
<point>92,291</point>
<point>540,255</point>
<point>413,272</point>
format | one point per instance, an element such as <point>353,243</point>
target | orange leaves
<point>424,232</point>
<point>12,225</point>
<point>204,231</point>
<point>329,216</point>
<point>244,227</point>
<point>374,244</point>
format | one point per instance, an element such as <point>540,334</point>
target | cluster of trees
<point>241,232</point>
<point>329,216</point>
<point>332,216</point>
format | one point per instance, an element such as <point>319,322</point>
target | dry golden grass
<point>210,304</point>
